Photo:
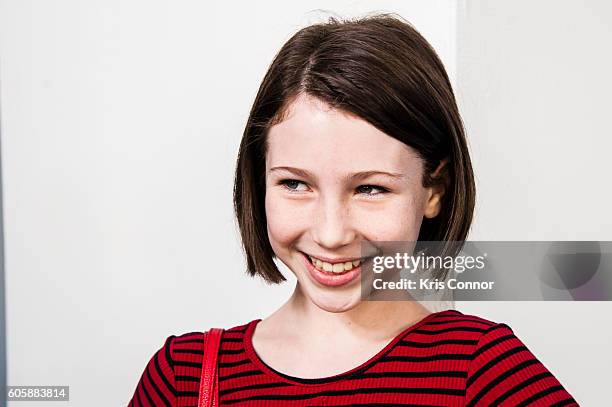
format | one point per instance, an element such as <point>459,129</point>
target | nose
<point>332,225</point>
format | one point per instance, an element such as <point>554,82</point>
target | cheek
<point>398,221</point>
<point>285,221</point>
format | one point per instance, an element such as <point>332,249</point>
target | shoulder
<point>157,385</point>
<point>459,317</point>
<point>186,350</point>
<point>453,324</point>
<point>490,340</point>
<point>452,333</point>
<point>193,339</point>
<point>480,331</point>
<point>173,372</point>
<point>502,370</point>
<point>488,336</point>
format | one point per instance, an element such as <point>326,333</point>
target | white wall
<point>120,127</point>
<point>534,85</point>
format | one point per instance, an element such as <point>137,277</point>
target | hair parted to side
<point>382,70</point>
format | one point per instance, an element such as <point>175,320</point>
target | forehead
<point>317,137</point>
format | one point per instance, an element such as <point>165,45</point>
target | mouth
<point>332,268</point>
<point>344,276</point>
<point>335,268</point>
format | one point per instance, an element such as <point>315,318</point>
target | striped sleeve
<point>156,385</point>
<point>503,372</point>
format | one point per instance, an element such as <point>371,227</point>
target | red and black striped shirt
<point>446,359</point>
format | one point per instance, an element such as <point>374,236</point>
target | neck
<point>370,320</point>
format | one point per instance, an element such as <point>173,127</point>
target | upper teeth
<point>334,268</point>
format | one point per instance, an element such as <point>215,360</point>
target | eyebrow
<point>357,175</point>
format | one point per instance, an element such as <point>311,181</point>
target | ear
<point>436,191</point>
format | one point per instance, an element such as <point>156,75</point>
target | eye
<point>289,184</point>
<point>292,185</point>
<point>370,187</point>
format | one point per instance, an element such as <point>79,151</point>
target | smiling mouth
<point>334,268</point>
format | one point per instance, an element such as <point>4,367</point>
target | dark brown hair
<point>382,70</point>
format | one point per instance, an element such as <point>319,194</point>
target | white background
<point>120,127</point>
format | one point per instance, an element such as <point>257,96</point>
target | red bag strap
<point>209,381</point>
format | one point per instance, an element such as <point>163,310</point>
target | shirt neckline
<point>320,381</point>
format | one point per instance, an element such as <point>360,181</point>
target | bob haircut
<point>378,68</point>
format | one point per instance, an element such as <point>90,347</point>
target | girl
<point>354,137</point>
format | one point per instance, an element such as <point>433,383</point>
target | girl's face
<point>334,181</point>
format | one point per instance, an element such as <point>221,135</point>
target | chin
<point>330,299</point>
<point>335,302</point>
